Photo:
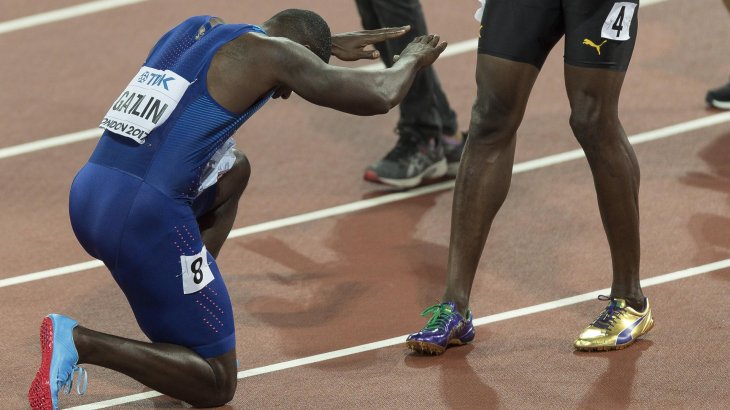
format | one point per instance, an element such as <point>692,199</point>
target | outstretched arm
<point>355,91</point>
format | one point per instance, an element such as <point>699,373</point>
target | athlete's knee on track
<point>223,394</point>
<point>226,377</point>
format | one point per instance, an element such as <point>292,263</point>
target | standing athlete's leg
<point>593,95</point>
<point>507,66</point>
<point>484,176</point>
<point>503,87</point>
<point>599,42</point>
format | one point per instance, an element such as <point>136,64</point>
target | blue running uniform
<point>131,205</point>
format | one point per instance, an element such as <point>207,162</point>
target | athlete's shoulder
<point>257,47</point>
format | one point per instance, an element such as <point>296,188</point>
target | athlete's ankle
<point>83,343</point>
<point>634,301</point>
<point>461,304</point>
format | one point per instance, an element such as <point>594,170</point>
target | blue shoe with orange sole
<point>59,360</point>
<point>447,327</point>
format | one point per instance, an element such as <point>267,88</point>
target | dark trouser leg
<point>503,88</point>
<point>419,108</point>
<point>216,224</point>
<point>594,95</point>
<point>170,369</point>
<point>449,124</point>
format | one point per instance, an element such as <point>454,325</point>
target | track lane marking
<point>58,141</point>
<point>364,204</point>
<point>508,315</point>
<point>63,14</point>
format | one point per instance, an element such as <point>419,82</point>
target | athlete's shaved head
<point>304,27</point>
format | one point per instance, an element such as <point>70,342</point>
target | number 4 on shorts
<point>616,26</point>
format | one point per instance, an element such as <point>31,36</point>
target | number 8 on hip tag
<point>196,273</point>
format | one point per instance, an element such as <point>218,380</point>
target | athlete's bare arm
<point>249,67</point>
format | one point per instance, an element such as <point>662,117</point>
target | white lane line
<point>356,206</point>
<point>63,14</point>
<point>49,143</point>
<point>641,138</point>
<point>512,314</point>
<point>454,49</point>
<point>64,270</point>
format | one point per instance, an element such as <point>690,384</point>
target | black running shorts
<point>598,33</point>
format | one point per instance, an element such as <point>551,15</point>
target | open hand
<point>425,48</point>
<point>351,46</point>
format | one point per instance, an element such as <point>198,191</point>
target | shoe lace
<point>610,314</point>
<point>406,145</point>
<point>440,314</point>
<point>81,381</point>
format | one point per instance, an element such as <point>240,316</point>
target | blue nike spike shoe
<point>58,364</point>
<point>446,327</point>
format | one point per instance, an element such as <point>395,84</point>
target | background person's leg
<point>419,105</point>
<point>720,97</point>
<point>418,154</point>
<point>593,95</point>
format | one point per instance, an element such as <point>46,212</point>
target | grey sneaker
<point>453,148</point>
<point>412,160</point>
<point>719,97</point>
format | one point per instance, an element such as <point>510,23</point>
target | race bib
<point>145,104</point>
<point>196,273</point>
<point>618,22</point>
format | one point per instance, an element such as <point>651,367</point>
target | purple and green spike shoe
<point>445,328</point>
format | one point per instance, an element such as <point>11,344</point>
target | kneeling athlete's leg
<point>168,368</point>
<point>217,206</point>
<point>180,301</point>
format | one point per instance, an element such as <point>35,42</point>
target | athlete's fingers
<point>388,33</point>
<point>441,47</point>
<point>427,39</point>
<point>367,54</point>
<point>435,40</point>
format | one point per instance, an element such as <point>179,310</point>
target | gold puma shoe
<point>617,327</point>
